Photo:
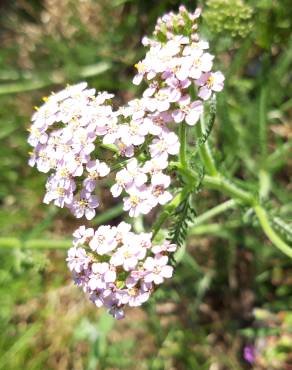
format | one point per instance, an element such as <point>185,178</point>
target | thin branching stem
<point>223,207</point>
<point>269,231</point>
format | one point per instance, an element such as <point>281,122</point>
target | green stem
<point>231,203</point>
<point>108,215</point>
<point>214,229</point>
<point>217,182</point>
<point>205,151</point>
<point>183,140</point>
<point>110,147</point>
<point>263,122</point>
<point>271,234</point>
<point>222,184</point>
<point>34,243</point>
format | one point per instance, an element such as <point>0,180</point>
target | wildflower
<point>166,247</point>
<point>159,183</point>
<point>77,259</point>
<point>82,235</point>
<point>191,113</point>
<point>166,144</point>
<point>138,201</point>
<point>120,268</point>
<point>249,353</point>
<point>210,82</point>
<point>101,274</point>
<point>85,204</point>
<point>103,241</point>
<point>157,269</point>
<point>95,169</point>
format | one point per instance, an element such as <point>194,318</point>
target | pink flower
<point>159,183</point>
<point>157,122</point>
<point>85,205</point>
<point>131,175</point>
<point>77,259</point>
<point>103,241</point>
<point>195,64</point>
<point>154,165</point>
<point>135,109</point>
<point>37,136</point>
<point>74,163</point>
<point>210,82</point>
<point>137,296</point>
<point>125,150</point>
<point>165,247</point>
<point>138,201</point>
<point>195,46</point>
<point>168,143</point>
<point>102,274</point>
<point>134,132</point>
<point>122,232</point>
<point>128,255</point>
<point>162,99</point>
<point>157,269</point>
<point>96,169</point>
<point>128,275</point>
<point>191,113</point>
<point>110,131</point>
<point>60,190</point>
<point>82,235</point>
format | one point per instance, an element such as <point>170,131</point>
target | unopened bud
<point>182,9</point>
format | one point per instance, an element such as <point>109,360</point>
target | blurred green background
<point>232,288</point>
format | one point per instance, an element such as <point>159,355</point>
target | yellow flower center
<point>133,292</point>
<point>134,200</point>
<point>210,82</point>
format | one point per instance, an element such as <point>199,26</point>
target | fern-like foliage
<point>209,125</point>
<point>183,215</point>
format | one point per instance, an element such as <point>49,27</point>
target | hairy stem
<point>205,151</point>
<point>183,143</point>
<point>224,185</point>
<point>271,234</point>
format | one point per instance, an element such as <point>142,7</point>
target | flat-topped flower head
<point>117,267</point>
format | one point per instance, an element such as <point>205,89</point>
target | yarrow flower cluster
<point>69,130</point>
<point>63,135</point>
<point>117,267</point>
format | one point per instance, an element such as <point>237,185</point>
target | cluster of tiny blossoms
<point>114,265</point>
<point>63,135</point>
<point>178,72</point>
<point>67,128</point>
<point>117,267</point>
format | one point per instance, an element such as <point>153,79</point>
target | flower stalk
<point>114,265</point>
